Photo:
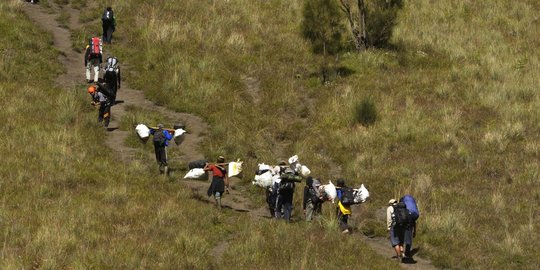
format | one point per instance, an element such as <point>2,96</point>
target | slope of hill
<point>458,113</point>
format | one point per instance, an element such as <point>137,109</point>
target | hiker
<point>312,203</point>
<point>112,75</point>
<point>93,58</point>
<point>284,201</point>
<point>104,102</point>
<point>108,23</point>
<point>220,181</point>
<point>396,233</point>
<point>343,212</point>
<point>410,230</point>
<point>161,141</point>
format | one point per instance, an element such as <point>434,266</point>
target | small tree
<point>371,22</point>
<point>323,26</point>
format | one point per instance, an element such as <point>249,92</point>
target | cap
<point>282,163</point>
<point>392,201</point>
<point>340,183</point>
<point>160,125</point>
<point>221,159</point>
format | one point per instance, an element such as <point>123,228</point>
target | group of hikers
<point>103,90</point>
<point>401,215</point>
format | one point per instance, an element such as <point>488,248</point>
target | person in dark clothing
<point>112,76</point>
<point>343,212</point>
<point>285,193</point>
<point>161,141</point>
<point>312,202</point>
<point>220,180</point>
<point>98,98</point>
<point>108,23</point>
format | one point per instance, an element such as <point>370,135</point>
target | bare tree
<point>357,22</point>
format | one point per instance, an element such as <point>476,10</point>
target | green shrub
<point>366,112</point>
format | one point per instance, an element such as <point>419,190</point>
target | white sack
<point>293,159</point>
<point>264,167</point>
<point>264,180</point>
<point>179,136</point>
<point>196,173</point>
<point>361,194</point>
<point>276,179</point>
<point>142,131</point>
<point>330,191</point>
<point>305,171</point>
<point>235,168</point>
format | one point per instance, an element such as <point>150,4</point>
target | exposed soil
<point>74,77</point>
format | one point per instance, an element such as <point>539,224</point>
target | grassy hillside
<point>458,127</point>
<point>457,100</point>
<point>66,203</point>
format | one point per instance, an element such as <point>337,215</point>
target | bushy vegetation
<point>366,112</point>
<point>458,128</point>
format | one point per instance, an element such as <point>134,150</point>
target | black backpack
<point>159,137</point>
<point>108,16</point>
<point>347,196</point>
<point>286,186</point>
<point>401,215</point>
<point>313,195</point>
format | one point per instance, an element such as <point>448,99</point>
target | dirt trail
<point>74,77</point>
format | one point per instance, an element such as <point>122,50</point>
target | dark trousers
<point>107,33</point>
<point>104,113</point>
<point>161,154</point>
<point>343,220</point>
<point>284,204</point>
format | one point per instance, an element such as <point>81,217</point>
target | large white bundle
<point>305,171</point>
<point>196,173</point>
<point>143,131</point>
<point>330,191</point>
<point>361,194</point>
<point>293,159</point>
<point>264,167</point>
<point>276,179</point>
<point>264,180</point>
<point>235,168</point>
<point>179,136</point>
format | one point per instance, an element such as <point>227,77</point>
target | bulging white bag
<point>330,191</point>
<point>196,173</point>
<point>235,168</point>
<point>305,171</point>
<point>179,136</point>
<point>264,167</point>
<point>143,132</point>
<point>264,180</point>
<point>361,194</point>
<point>293,159</point>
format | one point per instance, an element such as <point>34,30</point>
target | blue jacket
<point>166,133</point>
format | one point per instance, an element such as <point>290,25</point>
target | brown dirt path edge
<point>190,147</point>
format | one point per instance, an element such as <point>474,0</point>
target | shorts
<point>397,235</point>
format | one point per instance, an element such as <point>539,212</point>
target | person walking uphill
<point>396,234</point>
<point>161,141</point>
<point>284,201</point>
<point>343,212</point>
<point>104,102</point>
<point>108,23</point>
<point>112,76</point>
<point>312,202</point>
<point>93,58</point>
<point>220,181</point>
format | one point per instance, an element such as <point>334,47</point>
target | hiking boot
<point>346,231</point>
<point>89,81</point>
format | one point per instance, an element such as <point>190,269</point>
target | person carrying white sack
<point>220,180</point>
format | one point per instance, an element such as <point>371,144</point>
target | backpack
<point>410,203</point>
<point>96,46</point>
<point>347,196</point>
<point>401,215</point>
<point>108,16</point>
<point>112,64</point>
<point>313,195</point>
<point>159,137</point>
<point>106,90</point>
<point>286,186</point>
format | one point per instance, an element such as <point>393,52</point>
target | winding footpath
<point>74,77</point>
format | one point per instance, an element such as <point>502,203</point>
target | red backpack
<point>96,46</point>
